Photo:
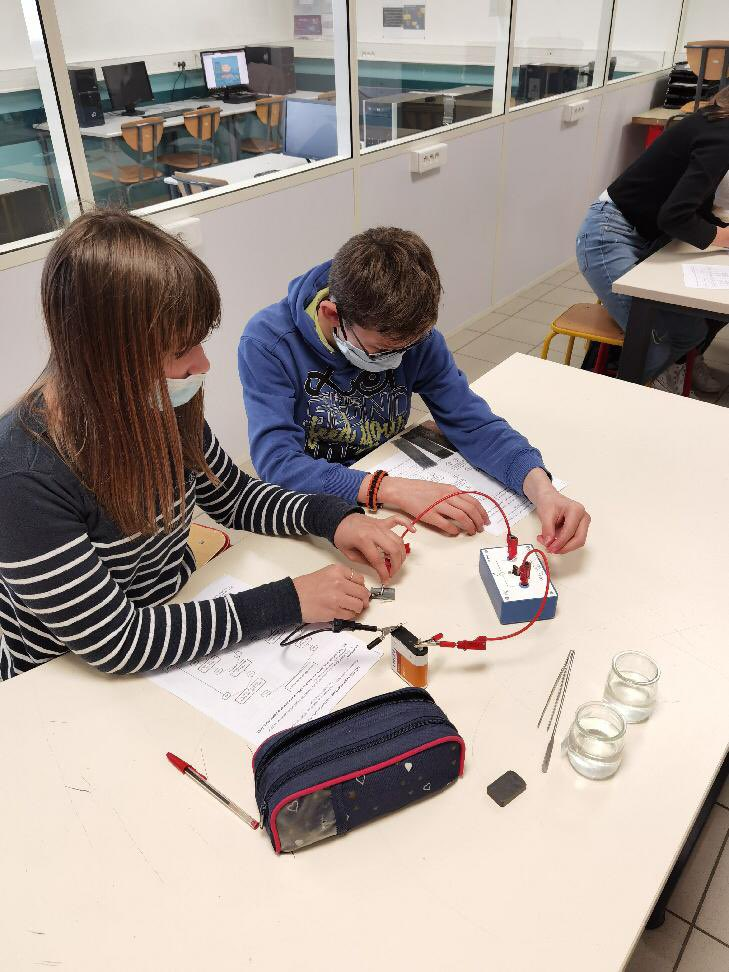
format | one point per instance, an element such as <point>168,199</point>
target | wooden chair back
<point>202,123</point>
<point>143,136</point>
<point>716,65</point>
<point>268,111</point>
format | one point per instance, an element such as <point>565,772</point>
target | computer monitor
<point>225,70</point>
<point>310,129</point>
<point>127,84</point>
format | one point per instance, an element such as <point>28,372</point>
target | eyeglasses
<point>380,355</point>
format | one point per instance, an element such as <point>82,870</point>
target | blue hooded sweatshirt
<point>311,414</point>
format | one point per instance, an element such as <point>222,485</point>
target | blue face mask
<point>181,390</point>
<point>360,358</point>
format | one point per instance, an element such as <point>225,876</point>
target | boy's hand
<point>565,522</point>
<point>461,514</point>
<point>369,541</point>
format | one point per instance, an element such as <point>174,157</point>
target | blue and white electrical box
<point>513,603</point>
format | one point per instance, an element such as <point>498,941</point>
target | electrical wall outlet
<point>575,110</point>
<point>428,157</point>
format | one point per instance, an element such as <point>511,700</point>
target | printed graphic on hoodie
<point>344,422</point>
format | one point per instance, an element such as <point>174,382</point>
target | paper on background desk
<point>708,276</point>
<point>259,688</point>
<point>457,471</point>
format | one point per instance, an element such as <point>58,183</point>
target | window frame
<point>172,211</point>
<point>609,82</point>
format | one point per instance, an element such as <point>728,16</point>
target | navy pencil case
<point>328,776</point>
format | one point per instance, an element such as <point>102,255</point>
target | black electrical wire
<point>337,625</point>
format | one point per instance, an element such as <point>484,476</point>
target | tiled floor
<point>695,935</point>
<point>522,324</point>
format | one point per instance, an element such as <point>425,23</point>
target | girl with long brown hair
<point>669,192</point>
<point>104,459</point>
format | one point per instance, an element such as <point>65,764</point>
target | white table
<point>112,860</point>
<point>114,120</point>
<point>245,169</point>
<point>659,280</point>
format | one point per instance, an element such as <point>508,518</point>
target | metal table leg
<point>637,339</point>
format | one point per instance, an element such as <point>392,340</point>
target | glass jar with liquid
<point>632,685</point>
<point>595,741</point>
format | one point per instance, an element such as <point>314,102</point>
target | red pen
<point>188,770</point>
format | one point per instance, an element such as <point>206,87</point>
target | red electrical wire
<point>479,643</point>
<point>459,492</point>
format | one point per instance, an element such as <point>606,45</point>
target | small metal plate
<point>382,593</point>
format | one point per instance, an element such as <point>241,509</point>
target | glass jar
<point>632,685</point>
<point>595,741</point>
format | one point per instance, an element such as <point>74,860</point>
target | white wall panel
<point>254,249</point>
<point>453,209</point>
<point>158,32</point>
<point>620,142</point>
<point>23,346</point>
<point>545,190</point>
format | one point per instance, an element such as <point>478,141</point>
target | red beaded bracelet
<point>375,482</point>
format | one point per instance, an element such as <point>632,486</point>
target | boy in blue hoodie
<point>329,372</point>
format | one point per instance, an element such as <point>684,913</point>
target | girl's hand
<point>333,592</point>
<point>368,541</point>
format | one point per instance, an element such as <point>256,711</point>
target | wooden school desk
<point>257,167</point>
<point>112,860</point>
<point>658,281</point>
<point>655,120</point>
<point>114,119</point>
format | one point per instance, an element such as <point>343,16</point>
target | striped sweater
<point>71,581</point>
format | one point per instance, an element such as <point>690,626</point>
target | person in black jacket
<point>668,192</point>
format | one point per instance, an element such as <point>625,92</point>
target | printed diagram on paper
<point>457,471</point>
<point>708,276</point>
<point>259,688</point>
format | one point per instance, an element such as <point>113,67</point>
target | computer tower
<point>86,96</point>
<point>538,81</point>
<point>271,70</point>
<point>25,210</point>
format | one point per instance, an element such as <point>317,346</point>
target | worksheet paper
<point>259,688</point>
<point>457,471</point>
<point>709,276</point>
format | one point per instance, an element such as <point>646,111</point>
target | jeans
<point>607,247</point>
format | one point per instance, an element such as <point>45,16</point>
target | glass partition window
<point>428,65</point>
<point>175,100</point>
<point>704,20</point>
<point>559,48</point>
<point>644,36</point>
<point>34,198</point>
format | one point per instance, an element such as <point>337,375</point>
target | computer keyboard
<point>241,97</point>
<point>168,110</point>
